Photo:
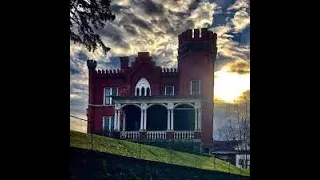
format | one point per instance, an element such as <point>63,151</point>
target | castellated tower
<point>196,55</point>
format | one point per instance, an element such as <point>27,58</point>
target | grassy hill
<point>152,153</point>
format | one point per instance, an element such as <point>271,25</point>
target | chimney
<point>124,62</point>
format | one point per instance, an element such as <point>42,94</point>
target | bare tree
<point>238,123</point>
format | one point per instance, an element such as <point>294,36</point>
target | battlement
<point>169,71</point>
<point>110,72</point>
<point>196,36</point>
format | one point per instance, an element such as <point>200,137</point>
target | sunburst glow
<point>229,86</point>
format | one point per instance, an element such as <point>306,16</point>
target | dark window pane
<point>107,100</point>
<point>107,94</point>
<point>107,91</point>
<point>112,122</point>
<point>142,91</point>
<point>114,92</point>
<point>148,91</point>
<point>112,101</point>
<point>169,90</point>
<point>195,87</point>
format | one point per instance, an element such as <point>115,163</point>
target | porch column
<point>143,116</point>
<point>141,120</point>
<point>145,120</point>
<point>118,121</point>
<point>199,118</point>
<point>115,120</point>
<point>144,108</point>
<point>124,122</point>
<point>168,120</point>
<point>117,108</point>
<point>198,115</point>
<point>170,116</point>
<point>171,119</point>
<point>196,119</point>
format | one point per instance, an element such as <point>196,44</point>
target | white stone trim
<point>170,106</point>
<point>160,101</point>
<point>123,105</point>
<point>177,104</point>
<point>153,104</point>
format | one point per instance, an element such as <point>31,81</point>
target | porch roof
<point>151,99</point>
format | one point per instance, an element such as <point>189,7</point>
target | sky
<point>154,26</point>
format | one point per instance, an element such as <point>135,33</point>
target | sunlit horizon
<point>229,86</point>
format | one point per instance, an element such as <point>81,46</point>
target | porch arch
<point>133,115</point>
<point>157,117</point>
<point>184,117</point>
<point>160,104</point>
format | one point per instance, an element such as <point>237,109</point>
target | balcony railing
<point>130,135</point>
<point>160,135</point>
<point>157,135</point>
<point>183,135</point>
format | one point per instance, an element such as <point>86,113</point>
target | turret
<point>196,55</point>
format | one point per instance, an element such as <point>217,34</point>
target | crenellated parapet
<point>169,72</point>
<point>197,40</point>
<point>111,72</point>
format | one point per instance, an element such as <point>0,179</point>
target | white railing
<point>183,135</point>
<point>130,135</point>
<point>156,134</point>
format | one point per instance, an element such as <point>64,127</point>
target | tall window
<point>108,92</point>
<point>148,92</point>
<point>195,87</point>
<point>169,91</point>
<point>108,124</point>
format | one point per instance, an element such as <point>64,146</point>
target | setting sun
<point>229,86</point>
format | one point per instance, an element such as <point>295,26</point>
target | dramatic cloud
<point>240,67</point>
<point>241,20</point>
<point>153,26</point>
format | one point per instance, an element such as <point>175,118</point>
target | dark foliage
<point>86,17</point>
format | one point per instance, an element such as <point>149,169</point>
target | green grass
<point>152,153</point>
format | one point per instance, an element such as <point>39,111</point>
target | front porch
<point>158,118</point>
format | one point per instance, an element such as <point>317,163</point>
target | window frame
<point>109,96</point>
<point>110,123</point>
<point>165,91</point>
<point>192,86</point>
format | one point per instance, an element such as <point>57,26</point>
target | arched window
<point>148,91</point>
<point>143,86</point>
<point>142,91</point>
